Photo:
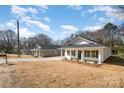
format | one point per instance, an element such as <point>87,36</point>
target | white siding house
<point>86,51</point>
<point>43,51</point>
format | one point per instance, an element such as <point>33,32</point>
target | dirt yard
<point>61,74</point>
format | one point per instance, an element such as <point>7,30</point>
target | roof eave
<point>80,47</point>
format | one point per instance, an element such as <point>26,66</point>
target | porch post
<point>36,52</point>
<point>61,53</point>
<point>76,52</point>
<point>70,53</point>
<point>39,53</point>
<point>82,56</point>
<point>99,58</point>
<point>65,54</point>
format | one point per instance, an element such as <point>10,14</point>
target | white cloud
<point>102,9</point>
<point>109,11</point>
<point>24,32</point>
<point>78,8</point>
<point>32,10</point>
<point>44,27</point>
<point>19,10</point>
<point>92,28</point>
<point>75,7</point>
<point>47,19</point>
<point>101,19</point>
<point>37,23</point>
<point>69,28</point>
<point>43,6</point>
<point>83,13</point>
<point>11,24</point>
<point>1,26</point>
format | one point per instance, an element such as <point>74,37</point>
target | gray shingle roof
<point>47,47</point>
<point>83,46</point>
<point>92,44</point>
<point>50,46</point>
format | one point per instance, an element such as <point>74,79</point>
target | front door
<point>79,54</point>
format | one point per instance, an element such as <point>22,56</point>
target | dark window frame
<point>68,52</point>
<point>73,52</point>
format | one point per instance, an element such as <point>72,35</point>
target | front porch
<point>83,55</point>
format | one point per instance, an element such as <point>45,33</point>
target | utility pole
<point>18,38</point>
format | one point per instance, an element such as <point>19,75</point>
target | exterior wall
<point>67,56</point>
<point>103,54</point>
<point>25,52</point>
<point>90,58</point>
<point>106,53</point>
<point>62,52</point>
<point>50,52</point>
<point>45,53</point>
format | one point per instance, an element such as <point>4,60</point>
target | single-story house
<point>85,50</point>
<point>43,51</point>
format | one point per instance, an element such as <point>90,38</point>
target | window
<point>95,54</point>
<point>68,52</point>
<point>87,53</point>
<point>73,52</point>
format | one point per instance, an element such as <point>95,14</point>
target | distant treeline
<point>109,35</point>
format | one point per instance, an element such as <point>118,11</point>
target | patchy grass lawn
<point>120,51</point>
<point>61,74</point>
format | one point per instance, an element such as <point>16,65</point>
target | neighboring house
<point>43,50</point>
<point>85,50</point>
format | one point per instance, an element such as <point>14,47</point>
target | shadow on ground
<point>114,60</point>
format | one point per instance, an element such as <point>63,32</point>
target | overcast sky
<point>58,21</point>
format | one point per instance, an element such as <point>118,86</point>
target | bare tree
<point>7,40</point>
<point>42,39</point>
<point>23,43</point>
<point>111,30</point>
<point>106,36</point>
<point>32,42</point>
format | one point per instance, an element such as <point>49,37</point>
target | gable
<point>81,41</point>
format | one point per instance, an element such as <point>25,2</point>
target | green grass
<point>120,52</point>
